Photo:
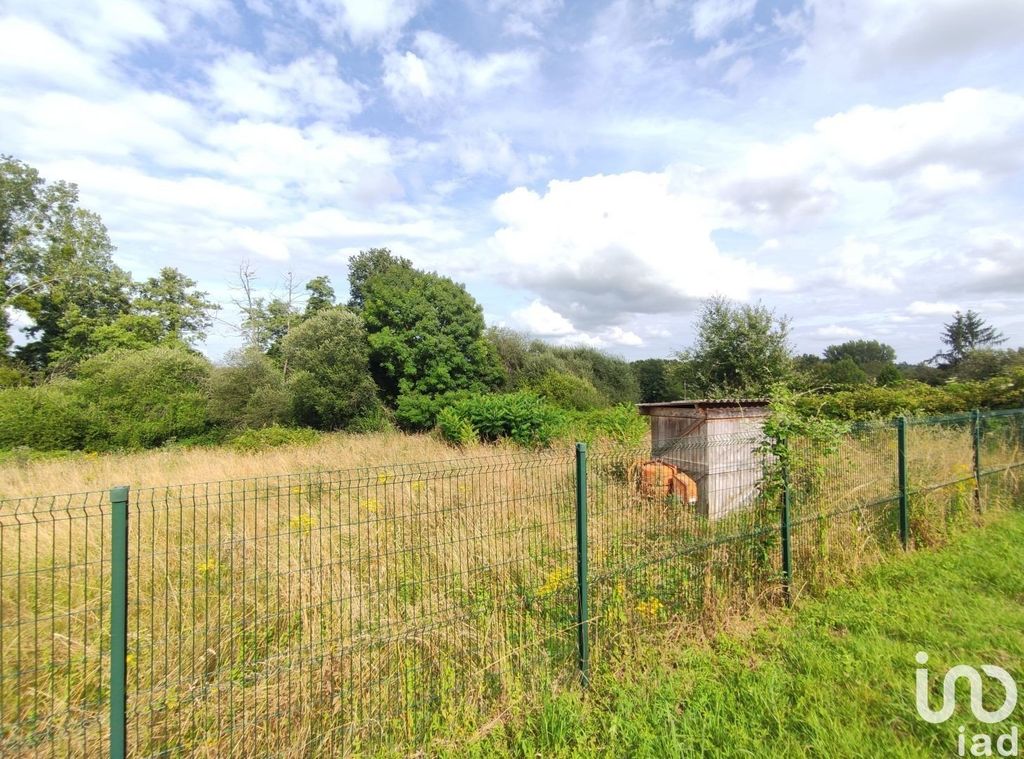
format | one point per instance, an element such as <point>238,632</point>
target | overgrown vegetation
<point>772,692</point>
<point>107,362</point>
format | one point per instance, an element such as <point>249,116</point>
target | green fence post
<point>119,623</point>
<point>582,612</point>
<point>901,474</point>
<point>976,444</point>
<point>787,502</point>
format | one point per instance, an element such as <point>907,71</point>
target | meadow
<point>363,609</point>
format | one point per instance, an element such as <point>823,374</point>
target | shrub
<point>50,417</point>
<point>569,392</point>
<point>455,428</point>
<point>248,391</point>
<point>417,412</point>
<point>521,417</point>
<point>330,383</point>
<point>620,424</point>
<point>142,399</point>
<point>253,441</point>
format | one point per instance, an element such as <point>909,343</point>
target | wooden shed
<point>715,442</point>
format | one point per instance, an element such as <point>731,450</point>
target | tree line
<point>110,362</point>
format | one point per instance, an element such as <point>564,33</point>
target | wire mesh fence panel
<point>1001,458</point>
<point>54,625</point>
<point>844,509</point>
<point>940,459</point>
<point>321,613</point>
<point>684,536</point>
<point>367,610</point>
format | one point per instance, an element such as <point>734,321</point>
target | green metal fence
<point>338,612</point>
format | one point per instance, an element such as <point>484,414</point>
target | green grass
<point>834,677</point>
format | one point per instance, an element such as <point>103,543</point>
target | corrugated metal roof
<point>707,403</point>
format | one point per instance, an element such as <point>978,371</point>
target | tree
<point>321,295</point>
<point>740,350</point>
<point>964,334</point>
<point>871,356</point>
<point>843,372</point>
<point>366,264</point>
<point>57,267</point>
<point>652,374</point>
<point>985,363</point>
<point>182,312</point>
<point>330,379</point>
<point>55,258</point>
<point>248,391</point>
<point>265,324</point>
<point>610,374</point>
<point>426,335</point>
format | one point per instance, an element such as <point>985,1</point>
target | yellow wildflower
<point>650,609</point>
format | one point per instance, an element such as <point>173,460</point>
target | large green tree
<point>364,265</point>
<point>741,350</point>
<point>967,332</point>
<point>55,260</point>
<point>329,378</point>
<point>870,356</point>
<point>426,335</point>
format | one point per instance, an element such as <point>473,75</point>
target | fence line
<point>340,611</point>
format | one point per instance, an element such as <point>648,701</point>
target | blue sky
<point>589,170</point>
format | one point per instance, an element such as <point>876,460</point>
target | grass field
<point>359,607</point>
<point>834,678</point>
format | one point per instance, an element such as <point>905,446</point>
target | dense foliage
<point>107,361</point>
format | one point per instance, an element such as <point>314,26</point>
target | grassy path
<point>833,678</point>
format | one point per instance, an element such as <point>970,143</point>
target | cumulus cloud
<point>605,247</point>
<point>306,87</point>
<point>925,150</point>
<point>541,320</point>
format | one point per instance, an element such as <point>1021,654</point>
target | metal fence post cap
<point>119,493</point>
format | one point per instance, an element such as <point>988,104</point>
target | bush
<point>621,424</point>
<point>254,441</point>
<point>569,392</point>
<point>50,417</point>
<point>521,417</point>
<point>142,399</point>
<point>455,428</point>
<point>417,412</point>
<point>327,357</point>
<point>248,391</point>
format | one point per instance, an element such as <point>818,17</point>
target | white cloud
<point>836,332</point>
<point>437,71</point>
<point>865,266</point>
<point>932,308</point>
<point>306,87</point>
<point>604,247</point>
<point>538,319</point>
<point>32,55</point>
<point>967,139</point>
<point>363,21</point>
<point>240,242</point>
<point>710,18</point>
<point>877,36</point>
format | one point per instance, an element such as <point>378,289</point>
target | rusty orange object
<point>657,479</point>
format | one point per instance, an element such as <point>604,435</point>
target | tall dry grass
<point>344,610</point>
